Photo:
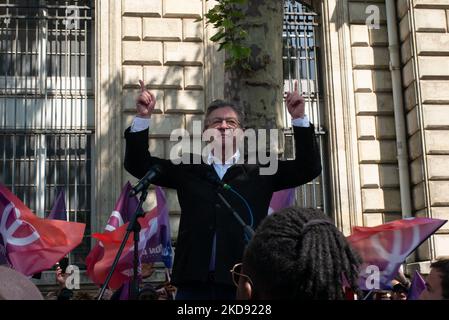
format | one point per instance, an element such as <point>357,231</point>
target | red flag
<point>111,242</point>
<point>123,210</point>
<point>384,248</point>
<point>33,244</point>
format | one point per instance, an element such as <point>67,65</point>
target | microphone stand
<point>249,232</point>
<point>133,226</point>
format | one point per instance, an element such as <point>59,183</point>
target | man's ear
<point>244,290</point>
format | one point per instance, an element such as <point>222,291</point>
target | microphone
<point>144,183</point>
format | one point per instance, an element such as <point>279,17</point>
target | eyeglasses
<point>236,272</point>
<point>231,122</point>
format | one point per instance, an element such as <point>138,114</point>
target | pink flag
<point>32,244</point>
<point>384,248</point>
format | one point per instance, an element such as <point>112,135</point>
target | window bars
<point>301,62</point>
<point>47,105</point>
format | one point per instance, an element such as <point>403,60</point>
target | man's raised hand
<point>295,103</point>
<point>145,102</point>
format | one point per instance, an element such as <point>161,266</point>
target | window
<point>47,106</point>
<point>301,63</point>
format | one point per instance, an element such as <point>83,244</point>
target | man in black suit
<point>210,240</point>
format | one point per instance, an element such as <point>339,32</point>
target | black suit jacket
<point>202,216</point>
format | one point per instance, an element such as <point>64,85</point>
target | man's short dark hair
<point>298,253</point>
<point>217,104</point>
<point>442,265</point>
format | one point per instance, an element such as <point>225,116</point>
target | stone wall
<point>164,46</point>
<point>379,180</point>
<point>424,34</point>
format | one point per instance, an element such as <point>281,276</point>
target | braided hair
<point>298,253</point>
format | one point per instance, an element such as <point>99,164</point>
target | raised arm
<point>138,159</point>
<point>307,163</point>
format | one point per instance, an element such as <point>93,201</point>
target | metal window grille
<point>301,63</point>
<point>47,105</point>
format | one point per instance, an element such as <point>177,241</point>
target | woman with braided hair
<point>297,253</point>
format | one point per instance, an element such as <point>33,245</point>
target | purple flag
<point>59,211</point>
<point>158,247</point>
<point>124,294</point>
<point>417,287</point>
<point>123,211</point>
<point>282,199</point>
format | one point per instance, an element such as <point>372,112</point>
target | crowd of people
<point>296,253</point>
<point>147,289</point>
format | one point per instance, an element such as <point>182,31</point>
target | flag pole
<point>368,294</point>
<point>133,226</point>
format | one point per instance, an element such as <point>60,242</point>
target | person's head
<point>297,254</point>
<point>83,296</point>
<point>399,291</point>
<point>383,295</point>
<point>16,286</point>
<point>225,117</point>
<point>219,110</point>
<point>437,282</point>
<point>148,293</point>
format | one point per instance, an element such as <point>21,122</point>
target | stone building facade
<point>160,42</point>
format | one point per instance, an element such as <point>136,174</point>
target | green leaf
<point>213,18</point>
<point>218,36</point>
<point>246,52</point>
<point>228,24</point>
<point>240,52</point>
<point>243,33</point>
<point>236,14</point>
<point>224,45</point>
<point>226,17</point>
